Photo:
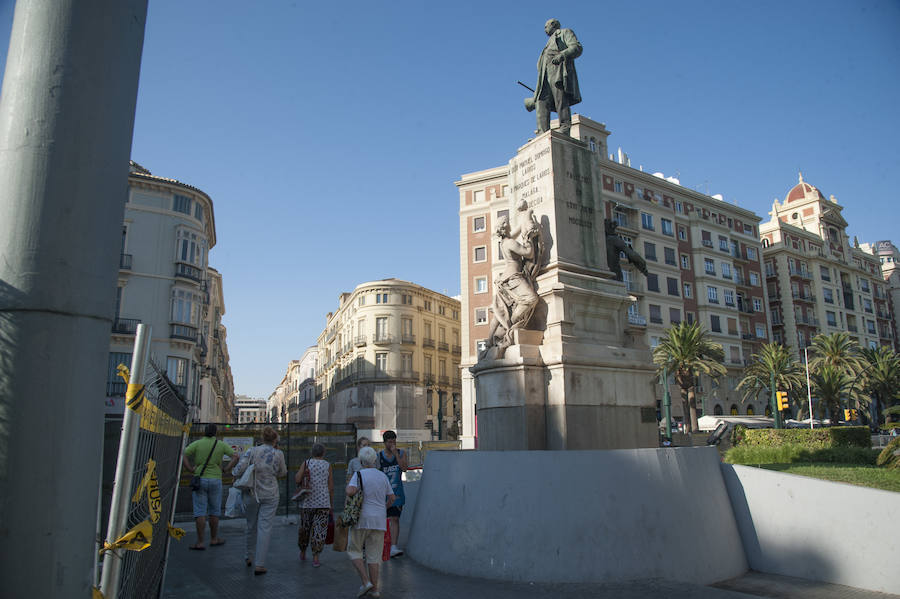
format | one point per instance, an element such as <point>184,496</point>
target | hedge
<point>804,438</point>
<point>890,455</point>
<point>793,454</point>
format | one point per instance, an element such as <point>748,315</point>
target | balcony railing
<point>125,326</point>
<point>188,271</point>
<point>182,331</point>
<point>656,319</point>
<point>443,346</point>
<point>125,261</point>
<point>806,297</point>
<point>852,328</point>
<point>707,243</point>
<point>408,339</point>
<point>637,319</point>
<point>799,272</point>
<point>360,340</point>
<point>635,286</point>
<point>382,339</point>
<point>427,342</point>
<point>457,349</point>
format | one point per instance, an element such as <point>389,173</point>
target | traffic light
<point>847,415</point>
<point>781,400</point>
<point>850,415</point>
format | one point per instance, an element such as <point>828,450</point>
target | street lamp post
<point>667,404</point>
<point>808,388</point>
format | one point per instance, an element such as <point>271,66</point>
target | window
<point>655,314</point>
<point>618,186</point>
<point>454,314</point>
<point>426,364</point>
<point>870,327</point>
<point>480,345</point>
<point>751,254</point>
<point>679,207</point>
<point>682,233</point>
<point>481,316</point>
<point>709,266</point>
<point>654,341</point>
<point>442,310</point>
<point>381,361</point>
<point>672,285</point>
<point>115,386</point>
<point>830,318</point>
<point>185,306</point>
<point>381,328</point>
<point>712,294</point>
<point>406,362</point>
<point>406,328</point>
<point>714,323</point>
<point>427,305</point>
<point>426,332</point>
<point>181,204</point>
<point>760,331</point>
<point>480,254</point>
<point>477,196</point>
<point>726,270</point>
<point>666,226</point>
<point>670,256</point>
<point>190,248</point>
<point>690,317</point>
<point>361,327</point>
<point>867,305</point>
<point>198,211</point>
<point>406,299</point>
<point>652,282</point>
<point>362,300</point>
<point>688,290</point>
<point>650,251</point>
<point>825,273</point>
<point>729,297</point>
<point>176,370</point>
<point>674,315</point>
<point>480,284</point>
<point>478,224</point>
<point>828,295</point>
<point>757,304</point>
<point>685,261</point>
<point>723,243</point>
<point>381,298</point>
<point>647,221</point>
<point>754,278</point>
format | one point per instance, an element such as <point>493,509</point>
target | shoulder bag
<point>195,480</point>
<point>247,480</point>
<point>353,505</point>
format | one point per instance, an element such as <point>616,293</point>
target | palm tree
<point>839,350</point>
<point>773,358</point>
<point>686,351</point>
<point>830,384</point>
<point>881,378</point>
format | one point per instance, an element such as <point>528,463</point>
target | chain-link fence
<point>153,486</point>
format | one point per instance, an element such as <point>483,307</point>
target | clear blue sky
<point>329,134</point>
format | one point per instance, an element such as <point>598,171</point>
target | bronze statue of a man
<point>557,84</point>
<point>614,245</point>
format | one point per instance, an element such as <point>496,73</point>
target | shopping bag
<point>247,479</point>
<point>329,536</point>
<point>234,505</point>
<point>386,551</point>
<point>341,534</point>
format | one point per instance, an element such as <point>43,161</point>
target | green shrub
<point>889,455</point>
<point>811,439</point>
<point>793,454</point>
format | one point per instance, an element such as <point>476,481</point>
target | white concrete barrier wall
<point>577,516</point>
<point>815,529</point>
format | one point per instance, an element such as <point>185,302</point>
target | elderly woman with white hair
<point>368,533</point>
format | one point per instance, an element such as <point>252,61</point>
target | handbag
<point>234,505</point>
<point>386,550</point>
<point>247,480</point>
<point>195,480</point>
<point>329,536</point>
<point>341,535</point>
<point>353,505</point>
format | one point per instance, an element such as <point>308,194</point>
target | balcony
<point>799,295</point>
<point>443,379</point>
<point>852,328</point>
<point>382,339</point>
<point>799,272</point>
<point>360,341</point>
<point>443,346</point>
<point>427,342</point>
<point>637,320</point>
<point>656,319</point>
<point>408,339</point>
<point>707,243</point>
<point>183,331</point>
<point>125,261</point>
<point>457,350</point>
<point>809,320</point>
<point>187,271</point>
<point>748,336</point>
<point>634,286</point>
<point>125,326</point>
<point>740,280</point>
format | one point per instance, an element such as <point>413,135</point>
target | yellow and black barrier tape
<point>153,419</point>
<point>175,533</point>
<point>137,539</point>
<point>150,485</point>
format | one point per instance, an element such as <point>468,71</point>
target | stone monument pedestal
<point>574,378</point>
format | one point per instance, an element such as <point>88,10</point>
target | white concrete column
<point>66,120</point>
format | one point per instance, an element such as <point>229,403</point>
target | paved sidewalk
<point>219,573</point>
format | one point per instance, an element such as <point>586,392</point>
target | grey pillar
<point>66,120</point>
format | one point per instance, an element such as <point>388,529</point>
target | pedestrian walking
<point>393,462</point>
<point>203,458</point>
<point>261,500</point>
<point>367,535</point>
<point>315,506</point>
<point>355,466</point>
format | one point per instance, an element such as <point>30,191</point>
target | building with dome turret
<point>817,280</point>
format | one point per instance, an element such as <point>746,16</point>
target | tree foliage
<point>685,352</point>
<point>881,378</point>
<point>773,358</point>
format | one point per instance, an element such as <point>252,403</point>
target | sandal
<point>259,571</point>
<point>197,547</point>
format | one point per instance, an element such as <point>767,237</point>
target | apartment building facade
<point>388,358</point>
<point>889,257</point>
<point>165,281</point>
<point>293,400</point>
<point>703,257</point>
<point>250,409</point>
<point>817,281</point>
